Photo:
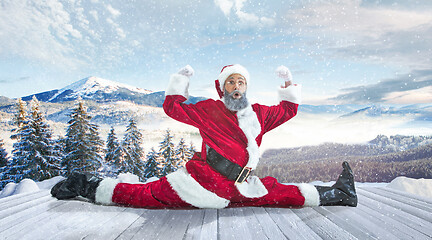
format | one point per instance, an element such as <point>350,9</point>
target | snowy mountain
<point>102,90</point>
<point>422,112</point>
<point>329,109</point>
<point>5,101</point>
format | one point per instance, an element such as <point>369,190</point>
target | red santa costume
<point>235,136</point>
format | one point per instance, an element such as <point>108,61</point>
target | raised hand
<point>186,71</point>
<point>287,84</point>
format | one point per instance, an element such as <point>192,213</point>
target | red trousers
<point>160,194</point>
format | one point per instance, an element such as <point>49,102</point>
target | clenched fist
<point>186,71</point>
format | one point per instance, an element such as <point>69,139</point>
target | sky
<point>342,52</point>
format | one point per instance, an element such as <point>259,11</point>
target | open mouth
<point>237,95</point>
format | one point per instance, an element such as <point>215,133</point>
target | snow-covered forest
<point>38,155</point>
<point>380,160</point>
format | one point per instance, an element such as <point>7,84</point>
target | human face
<point>236,82</point>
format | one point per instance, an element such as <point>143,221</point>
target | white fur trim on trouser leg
<point>310,193</point>
<point>190,191</point>
<point>105,191</point>
<point>291,94</point>
<point>178,85</point>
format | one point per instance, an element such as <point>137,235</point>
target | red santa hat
<point>228,71</point>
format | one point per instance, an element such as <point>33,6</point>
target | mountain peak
<point>92,84</point>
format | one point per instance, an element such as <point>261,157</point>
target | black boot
<point>342,193</point>
<point>77,184</point>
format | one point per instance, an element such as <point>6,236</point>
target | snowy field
<point>420,187</point>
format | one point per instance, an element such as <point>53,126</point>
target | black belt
<point>231,170</point>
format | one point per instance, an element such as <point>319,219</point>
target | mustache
<point>234,92</point>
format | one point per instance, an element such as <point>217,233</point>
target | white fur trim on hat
<point>227,71</point>
<point>178,85</point>
<point>105,191</point>
<point>190,191</point>
<point>310,193</point>
<point>291,94</point>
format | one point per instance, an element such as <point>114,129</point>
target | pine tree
<point>151,168</point>
<point>83,145</point>
<point>34,156</point>
<point>4,162</point>
<point>19,119</point>
<point>114,156</point>
<point>111,145</point>
<point>167,155</point>
<point>132,150</point>
<point>59,150</point>
<point>191,151</point>
<point>3,155</point>
<point>182,154</point>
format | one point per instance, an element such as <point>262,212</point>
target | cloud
<point>20,79</point>
<point>233,10</point>
<point>225,6</point>
<point>114,12</point>
<point>356,30</point>
<point>397,90</point>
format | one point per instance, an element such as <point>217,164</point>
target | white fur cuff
<point>190,191</point>
<point>252,188</point>
<point>310,193</point>
<point>291,94</point>
<point>105,191</point>
<point>178,85</point>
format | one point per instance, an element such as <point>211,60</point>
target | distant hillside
<point>370,163</point>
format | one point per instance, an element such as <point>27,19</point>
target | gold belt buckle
<point>243,175</point>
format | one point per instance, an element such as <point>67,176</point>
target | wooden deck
<point>382,214</point>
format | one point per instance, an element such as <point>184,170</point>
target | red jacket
<point>221,129</point>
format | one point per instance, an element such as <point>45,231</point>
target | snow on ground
<point>420,187</point>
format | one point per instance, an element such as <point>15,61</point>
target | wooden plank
<point>409,200</point>
<point>210,225</point>
<point>112,227</point>
<point>26,217</point>
<point>133,229</point>
<point>349,220</point>
<point>23,206</point>
<point>408,219</point>
<point>252,223</point>
<point>291,225</point>
<point>269,226</point>
<point>321,225</point>
<point>195,225</point>
<point>388,223</point>
<point>84,220</point>
<point>231,226</point>
<point>59,218</point>
<point>17,199</point>
<point>173,228</point>
<point>404,207</point>
<point>408,195</point>
<point>152,227</point>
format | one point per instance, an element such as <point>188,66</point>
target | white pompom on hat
<point>228,71</point>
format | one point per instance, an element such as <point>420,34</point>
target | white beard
<point>234,104</point>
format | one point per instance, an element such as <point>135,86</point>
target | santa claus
<point>221,175</point>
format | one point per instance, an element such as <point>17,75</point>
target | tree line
<point>323,163</point>
<point>38,155</point>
